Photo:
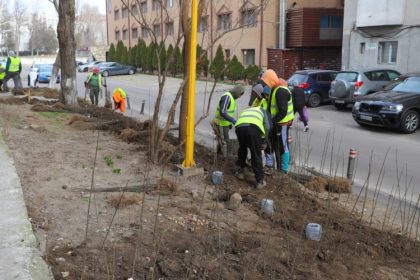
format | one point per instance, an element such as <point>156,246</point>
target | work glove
<point>230,126</point>
<point>86,84</point>
<point>105,86</point>
<point>234,121</point>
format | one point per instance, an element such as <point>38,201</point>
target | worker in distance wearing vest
<point>119,96</point>
<point>282,114</point>
<point>94,82</point>
<point>252,128</point>
<point>224,118</point>
<point>13,69</point>
<point>262,97</point>
<point>2,75</point>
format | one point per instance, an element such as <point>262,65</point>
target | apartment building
<point>381,33</point>
<point>268,33</point>
<point>243,28</point>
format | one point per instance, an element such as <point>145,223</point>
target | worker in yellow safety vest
<point>13,69</point>
<point>225,118</point>
<point>252,128</point>
<point>282,113</point>
<point>119,96</point>
<point>2,75</point>
<point>94,82</point>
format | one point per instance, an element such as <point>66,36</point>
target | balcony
<point>330,33</point>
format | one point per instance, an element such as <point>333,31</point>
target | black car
<point>398,106</point>
<point>315,83</point>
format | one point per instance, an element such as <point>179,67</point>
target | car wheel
<point>105,73</point>
<point>314,100</point>
<point>130,72</point>
<point>340,106</point>
<point>409,121</point>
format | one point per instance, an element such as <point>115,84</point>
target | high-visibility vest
<point>254,116</point>
<point>230,111</point>
<point>119,97</point>
<point>14,64</point>
<point>260,102</point>
<point>3,74</point>
<point>274,109</point>
<point>93,79</point>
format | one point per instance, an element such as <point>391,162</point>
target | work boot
<point>240,174</point>
<point>306,128</point>
<point>261,184</point>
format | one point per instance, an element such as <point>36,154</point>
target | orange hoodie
<point>272,80</point>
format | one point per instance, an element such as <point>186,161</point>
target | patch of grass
<point>109,161</point>
<point>116,170</point>
<point>54,115</point>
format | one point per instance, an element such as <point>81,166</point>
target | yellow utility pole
<point>189,144</point>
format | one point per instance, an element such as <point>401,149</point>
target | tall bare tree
<point>67,45</point>
<point>19,16</point>
<point>89,22</point>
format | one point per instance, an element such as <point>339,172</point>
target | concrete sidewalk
<point>19,256</point>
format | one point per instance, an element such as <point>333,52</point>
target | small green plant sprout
<point>116,170</point>
<point>109,161</point>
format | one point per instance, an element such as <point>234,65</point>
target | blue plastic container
<point>313,231</point>
<point>267,206</point>
<point>217,178</point>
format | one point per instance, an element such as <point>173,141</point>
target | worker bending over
<point>119,96</point>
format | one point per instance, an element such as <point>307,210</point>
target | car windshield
<point>299,78</point>
<point>394,83</point>
<point>411,85</point>
<point>45,68</point>
<point>347,76</point>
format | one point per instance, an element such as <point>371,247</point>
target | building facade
<point>238,26</point>
<point>311,38</point>
<point>381,33</point>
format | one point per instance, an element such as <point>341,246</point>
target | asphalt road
<point>325,147</point>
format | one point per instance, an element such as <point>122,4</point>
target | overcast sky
<point>45,7</point>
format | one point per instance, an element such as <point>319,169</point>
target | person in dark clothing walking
<point>299,103</point>
<point>224,118</point>
<point>252,127</point>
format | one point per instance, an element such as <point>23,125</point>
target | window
<point>134,10</point>
<point>223,21</point>
<point>331,22</point>
<point>227,54</point>
<point>155,5</point>
<point>393,75</point>
<point>169,3</point>
<point>156,30</point>
<point>249,56</point>
<point>143,7</point>
<point>331,27</point>
<point>169,28</point>
<point>116,14</point>
<point>135,33</point>
<point>377,76</point>
<point>249,18</point>
<point>117,35</point>
<point>362,47</point>
<point>323,77</point>
<point>144,32</point>
<point>202,26</point>
<point>387,52</point>
<point>125,34</point>
<point>124,12</point>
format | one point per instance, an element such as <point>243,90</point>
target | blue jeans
<point>14,76</point>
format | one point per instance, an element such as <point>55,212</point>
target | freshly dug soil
<point>179,228</point>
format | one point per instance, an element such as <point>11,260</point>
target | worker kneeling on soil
<point>252,127</point>
<point>119,97</point>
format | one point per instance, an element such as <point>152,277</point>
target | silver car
<point>348,85</point>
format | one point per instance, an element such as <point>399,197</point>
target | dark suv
<point>316,84</point>
<point>397,106</point>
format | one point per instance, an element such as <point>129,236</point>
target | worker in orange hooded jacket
<point>119,96</point>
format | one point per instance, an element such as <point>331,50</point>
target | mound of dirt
<point>51,93</point>
<point>39,107</point>
<point>12,101</point>
<point>121,201</point>
<point>339,185</point>
<point>317,184</point>
<point>129,135</point>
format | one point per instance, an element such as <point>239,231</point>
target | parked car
<point>316,84</point>
<point>45,72</point>
<point>397,107</point>
<point>114,68</point>
<point>88,66</point>
<point>349,85</point>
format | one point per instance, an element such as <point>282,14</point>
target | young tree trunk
<point>67,45</point>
